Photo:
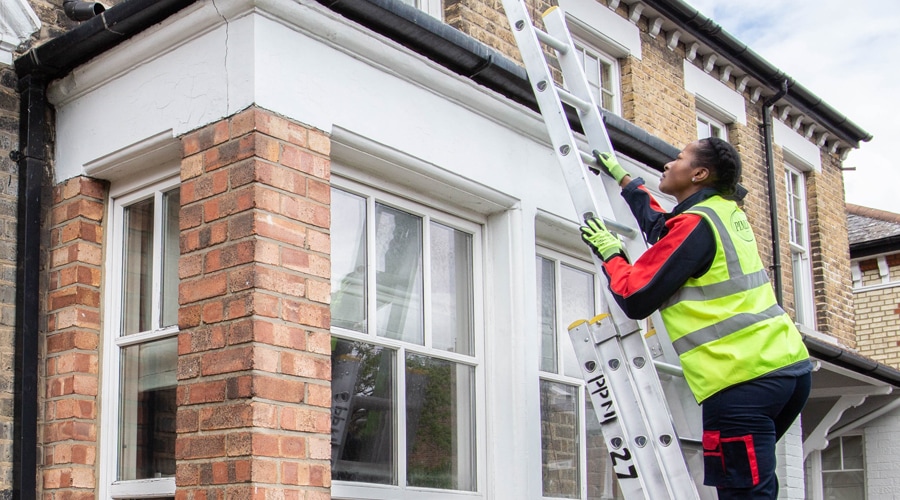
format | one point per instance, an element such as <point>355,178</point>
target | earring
<point>693,179</point>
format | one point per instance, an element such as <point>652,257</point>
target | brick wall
<point>69,432</point>
<point>254,348</point>
<point>830,248</point>
<point>878,312</point>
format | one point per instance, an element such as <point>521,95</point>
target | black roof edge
<point>471,58</point>
<point>711,34</point>
<point>874,247</point>
<point>60,55</point>
<point>852,361</point>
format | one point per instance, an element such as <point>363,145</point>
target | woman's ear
<point>700,174</point>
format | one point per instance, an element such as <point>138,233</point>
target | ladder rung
<point>669,368</point>
<point>552,41</point>
<point>570,98</point>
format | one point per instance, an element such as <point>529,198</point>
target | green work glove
<point>610,165</point>
<point>603,243</point>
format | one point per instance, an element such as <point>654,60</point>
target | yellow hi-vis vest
<point>726,325</point>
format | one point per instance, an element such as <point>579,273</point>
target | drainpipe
<point>773,193</point>
<point>32,162</point>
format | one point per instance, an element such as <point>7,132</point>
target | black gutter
<point>846,359</point>
<point>472,59</point>
<point>711,34</point>
<point>35,69</point>
<point>773,190</point>
<point>874,247</point>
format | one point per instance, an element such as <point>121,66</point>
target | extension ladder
<point>649,419</point>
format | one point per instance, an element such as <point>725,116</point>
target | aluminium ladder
<point>649,455</point>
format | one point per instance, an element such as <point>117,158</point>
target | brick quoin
<point>70,427</point>
<point>254,378</point>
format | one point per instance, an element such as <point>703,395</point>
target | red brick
<point>306,313</point>
<point>306,365</point>
<point>227,361</point>
<point>278,389</point>
<point>199,446</point>
<point>202,288</point>
<point>226,417</point>
<point>205,392</point>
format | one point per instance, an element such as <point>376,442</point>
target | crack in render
<point>227,91</point>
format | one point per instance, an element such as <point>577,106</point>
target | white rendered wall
<point>790,469</point>
<point>883,457</point>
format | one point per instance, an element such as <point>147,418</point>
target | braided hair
<point>722,160</point>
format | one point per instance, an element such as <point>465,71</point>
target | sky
<point>846,53</point>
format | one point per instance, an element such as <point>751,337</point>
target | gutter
<point>711,34</point>
<point>35,69</point>
<point>833,354</point>
<point>472,59</point>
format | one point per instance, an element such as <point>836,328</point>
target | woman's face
<point>680,178</point>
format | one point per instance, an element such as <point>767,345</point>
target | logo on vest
<point>740,226</point>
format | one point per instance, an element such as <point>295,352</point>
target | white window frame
<point>431,7</point>
<point>122,196</point>
<point>795,187</point>
<point>585,49</point>
<point>560,258</point>
<point>815,489</point>
<point>402,201</point>
<point>710,124</point>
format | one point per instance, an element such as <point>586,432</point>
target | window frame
<point>795,190</point>
<point>403,201</point>
<point>815,485</point>
<point>583,46</point>
<point>560,258</point>
<point>113,341</point>
<point>434,8</point>
<point>710,122</point>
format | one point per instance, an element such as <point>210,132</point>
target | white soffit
<point>726,103</point>
<point>802,153</point>
<point>606,25</point>
<point>17,22</point>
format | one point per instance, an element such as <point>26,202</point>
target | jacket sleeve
<point>650,216</point>
<point>687,250</point>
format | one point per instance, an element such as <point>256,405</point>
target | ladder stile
<point>620,366</point>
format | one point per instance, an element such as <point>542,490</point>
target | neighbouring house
<point>322,249</point>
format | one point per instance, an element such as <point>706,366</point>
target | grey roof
<point>866,225</point>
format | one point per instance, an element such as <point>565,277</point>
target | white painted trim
<point>714,97</point>
<point>617,36</point>
<point>797,149</point>
<point>160,149</point>
<point>18,22</point>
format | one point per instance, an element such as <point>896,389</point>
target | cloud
<point>849,55</point>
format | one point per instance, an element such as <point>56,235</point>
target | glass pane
<point>171,253</point>
<point>853,452</point>
<point>451,289</point>
<point>844,485</point>
<point>577,303</point>
<point>546,292</point>
<point>147,420</point>
<point>600,481</point>
<point>138,265</point>
<point>702,129</point>
<point>398,278</point>
<point>559,440</point>
<point>348,261</point>
<point>362,413</point>
<point>440,424</point>
<point>831,456</point>
<point>608,93</point>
